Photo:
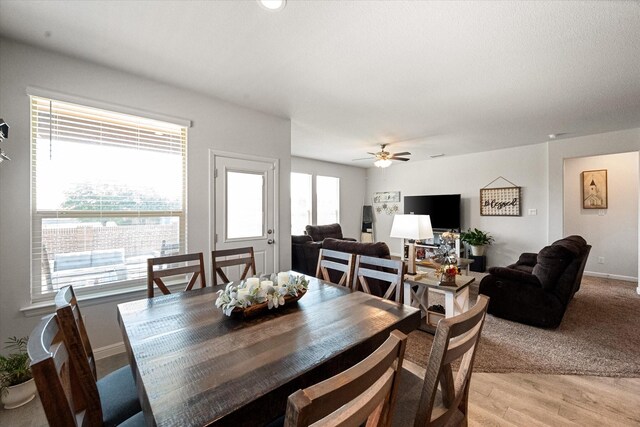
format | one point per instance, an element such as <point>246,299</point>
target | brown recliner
<point>537,293</point>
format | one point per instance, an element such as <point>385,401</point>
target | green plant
<point>14,368</point>
<point>476,237</point>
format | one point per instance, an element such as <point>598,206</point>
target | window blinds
<point>108,192</point>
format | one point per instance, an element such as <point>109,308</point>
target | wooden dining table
<point>194,366</point>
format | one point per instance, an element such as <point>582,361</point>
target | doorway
<point>244,208</point>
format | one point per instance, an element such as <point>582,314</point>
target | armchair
<point>538,293</point>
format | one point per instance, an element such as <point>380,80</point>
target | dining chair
<point>363,393</point>
<point>167,268</point>
<point>327,263</point>
<point>219,261</point>
<point>61,385</point>
<point>382,269</point>
<point>116,392</point>
<point>421,402</point>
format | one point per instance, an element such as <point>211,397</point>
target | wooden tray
<point>263,308</point>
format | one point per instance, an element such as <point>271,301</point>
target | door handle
<point>270,242</point>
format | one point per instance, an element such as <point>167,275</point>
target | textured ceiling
<point>445,77</point>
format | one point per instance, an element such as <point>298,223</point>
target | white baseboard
<point>109,350</point>
<point>611,276</point>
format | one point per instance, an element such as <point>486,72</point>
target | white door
<point>245,209</point>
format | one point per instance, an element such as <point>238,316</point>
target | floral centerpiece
<point>448,259</point>
<point>257,294</point>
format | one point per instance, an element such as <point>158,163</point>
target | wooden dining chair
<point>116,392</point>
<point>220,260</point>
<point>421,401</point>
<point>61,385</point>
<point>166,268</point>
<point>363,393</point>
<point>327,263</point>
<point>386,270</point>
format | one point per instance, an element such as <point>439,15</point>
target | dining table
<point>195,366</point>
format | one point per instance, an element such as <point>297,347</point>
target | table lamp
<point>412,227</point>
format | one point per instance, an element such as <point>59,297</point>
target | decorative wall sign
<point>504,201</point>
<point>594,189</point>
<point>387,197</point>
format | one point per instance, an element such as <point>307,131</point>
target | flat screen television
<point>444,209</point>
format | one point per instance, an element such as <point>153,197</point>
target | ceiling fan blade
<point>402,159</point>
<point>362,158</point>
<point>373,154</point>
<point>404,153</point>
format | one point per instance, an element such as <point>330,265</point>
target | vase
<point>477,250</point>
<point>20,394</point>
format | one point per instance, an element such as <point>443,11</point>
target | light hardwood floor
<point>550,400</point>
<point>525,400</point>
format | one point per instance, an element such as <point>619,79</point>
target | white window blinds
<point>108,193</point>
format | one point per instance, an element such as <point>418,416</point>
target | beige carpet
<point>599,335</point>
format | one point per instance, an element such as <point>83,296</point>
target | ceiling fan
<point>383,158</point>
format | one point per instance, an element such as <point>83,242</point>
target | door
<point>245,209</point>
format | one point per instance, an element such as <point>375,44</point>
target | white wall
<point>614,235</point>
<point>352,189</point>
<point>592,145</point>
<point>216,125</point>
<point>525,166</point>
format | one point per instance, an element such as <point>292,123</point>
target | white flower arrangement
<point>258,291</point>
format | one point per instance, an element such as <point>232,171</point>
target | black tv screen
<point>444,209</point>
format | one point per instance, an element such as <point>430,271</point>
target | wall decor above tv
<point>444,209</point>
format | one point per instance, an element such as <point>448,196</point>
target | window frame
<point>38,215</point>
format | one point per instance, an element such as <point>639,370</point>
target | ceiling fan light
<point>382,163</point>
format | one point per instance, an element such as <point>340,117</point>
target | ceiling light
<point>552,136</point>
<point>274,5</point>
<point>382,163</point>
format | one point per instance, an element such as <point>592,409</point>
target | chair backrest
<point>327,263</point>
<point>456,339</point>
<point>393,275</point>
<point>364,392</point>
<point>155,276</point>
<point>70,319</point>
<point>59,383</point>
<point>219,261</point>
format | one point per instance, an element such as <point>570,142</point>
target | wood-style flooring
<point>525,400</point>
<point>550,400</point>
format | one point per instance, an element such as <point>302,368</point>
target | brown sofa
<point>537,289</point>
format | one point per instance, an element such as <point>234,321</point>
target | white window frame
<point>37,216</point>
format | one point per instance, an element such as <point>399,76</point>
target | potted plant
<point>16,383</point>
<point>477,239</point>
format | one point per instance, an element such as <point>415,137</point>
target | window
<point>244,220</point>
<point>328,199</point>
<point>301,203</point>
<point>108,192</point>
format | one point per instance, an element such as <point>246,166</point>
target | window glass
<point>328,199</point>
<point>245,205</point>
<point>301,204</point>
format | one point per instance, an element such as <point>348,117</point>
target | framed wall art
<point>503,201</point>
<point>387,197</point>
<point>594,189</point>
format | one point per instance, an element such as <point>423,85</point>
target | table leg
<point>455,304</point>
<point>418,299</point>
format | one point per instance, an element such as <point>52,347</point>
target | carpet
<point>599,335</point>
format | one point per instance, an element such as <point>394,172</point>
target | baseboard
<point>109,350</point>
<point>611,276</point>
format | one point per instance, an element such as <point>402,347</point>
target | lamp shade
<point>416,227</point>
